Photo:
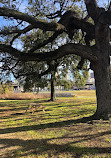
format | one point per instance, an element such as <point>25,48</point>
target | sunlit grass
<point>57,131</point>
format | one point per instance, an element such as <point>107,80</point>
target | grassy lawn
<point>53,129</point>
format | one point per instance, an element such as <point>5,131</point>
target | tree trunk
<point>102,90</point>
<point>52,87</point>
<point>102,72</point>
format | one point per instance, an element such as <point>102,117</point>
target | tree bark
<point>102,72</point>
<point>52,87</point>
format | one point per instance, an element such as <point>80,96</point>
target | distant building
<point>90,83</point>
<point>17,87</point>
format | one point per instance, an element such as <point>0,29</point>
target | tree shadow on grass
<point>14,109</point>
<point>46,125</point>
<point>40,146</point>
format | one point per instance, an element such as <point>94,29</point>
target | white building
<point>90,83</point>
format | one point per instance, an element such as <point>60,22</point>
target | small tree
<point>5,87</point>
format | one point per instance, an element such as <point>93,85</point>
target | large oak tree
<point>63,21</point>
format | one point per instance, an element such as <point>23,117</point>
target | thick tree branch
<point>62,24</point>
<point>83,25</point>
<point>33,21</point>
<point>92,8</point>
<point>68,22</point>
<point>105,18</point>
<point>72,22</point>
<point>71,48</point>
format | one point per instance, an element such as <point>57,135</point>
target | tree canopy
<point>68,22</point>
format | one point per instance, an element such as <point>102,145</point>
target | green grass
<point>58,132</point>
